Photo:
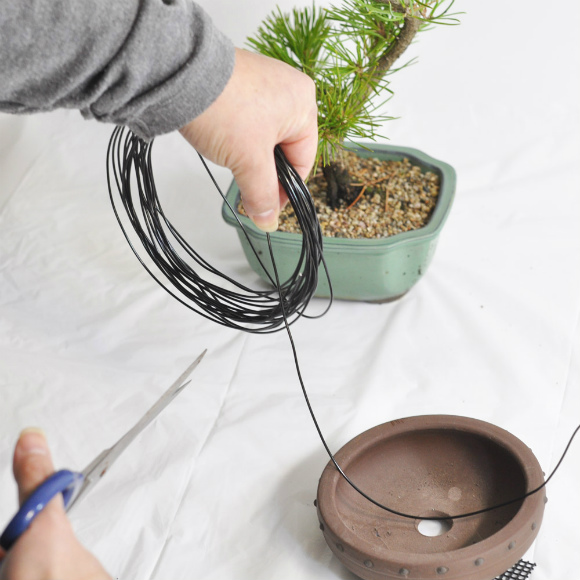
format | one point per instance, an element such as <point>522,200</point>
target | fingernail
<point>36,430</point>
<point>267,221</point>
<point>32,445</point>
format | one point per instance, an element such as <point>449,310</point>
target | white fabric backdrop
<point>221,486</point>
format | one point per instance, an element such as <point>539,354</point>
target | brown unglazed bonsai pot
<point>431,466</point>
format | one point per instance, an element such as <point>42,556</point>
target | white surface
<point>221,486</point>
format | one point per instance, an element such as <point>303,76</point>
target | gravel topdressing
<point>397,198</point>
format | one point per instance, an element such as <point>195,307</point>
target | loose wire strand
<point>255,311</point>
<point>368,497</point>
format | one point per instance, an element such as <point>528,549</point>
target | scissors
<point>74,485</point>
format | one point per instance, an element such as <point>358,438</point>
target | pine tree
<point>349,51</point>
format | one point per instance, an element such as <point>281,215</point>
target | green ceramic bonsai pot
<point>376,270</point>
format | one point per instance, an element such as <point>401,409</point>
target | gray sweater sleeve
<point>152,65</point>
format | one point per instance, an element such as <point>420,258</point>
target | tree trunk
<point>335,172</point>
<point>338,182</point>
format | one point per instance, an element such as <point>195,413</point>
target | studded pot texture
<point>431,466</point>
<point>375,270</point>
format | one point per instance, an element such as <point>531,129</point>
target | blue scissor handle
<point>64,481</point>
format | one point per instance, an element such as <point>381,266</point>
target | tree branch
<point>403,40</point>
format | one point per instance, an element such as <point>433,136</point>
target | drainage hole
<point>432,528</point>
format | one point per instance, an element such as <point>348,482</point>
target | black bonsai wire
<point>255,311</point>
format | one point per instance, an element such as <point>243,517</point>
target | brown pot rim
<point>530,510</point>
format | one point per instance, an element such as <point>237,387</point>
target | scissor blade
<point>99,466</point>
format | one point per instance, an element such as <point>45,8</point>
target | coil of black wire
<point>130,180</point>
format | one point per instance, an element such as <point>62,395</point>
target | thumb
<point>32,461</point>
<point>258,183</point>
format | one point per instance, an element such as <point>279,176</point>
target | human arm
<point>157,66</point>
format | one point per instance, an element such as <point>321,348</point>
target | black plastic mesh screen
<point>520,571</point>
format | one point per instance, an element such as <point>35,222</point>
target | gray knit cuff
<point>175,103</point>
<point>175,71</point>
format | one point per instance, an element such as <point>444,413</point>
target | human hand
<point>265,103</point>
<point>48,549</point>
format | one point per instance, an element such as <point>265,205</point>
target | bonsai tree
<point>349,51</point>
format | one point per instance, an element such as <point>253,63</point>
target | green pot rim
<point>431,230</point>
